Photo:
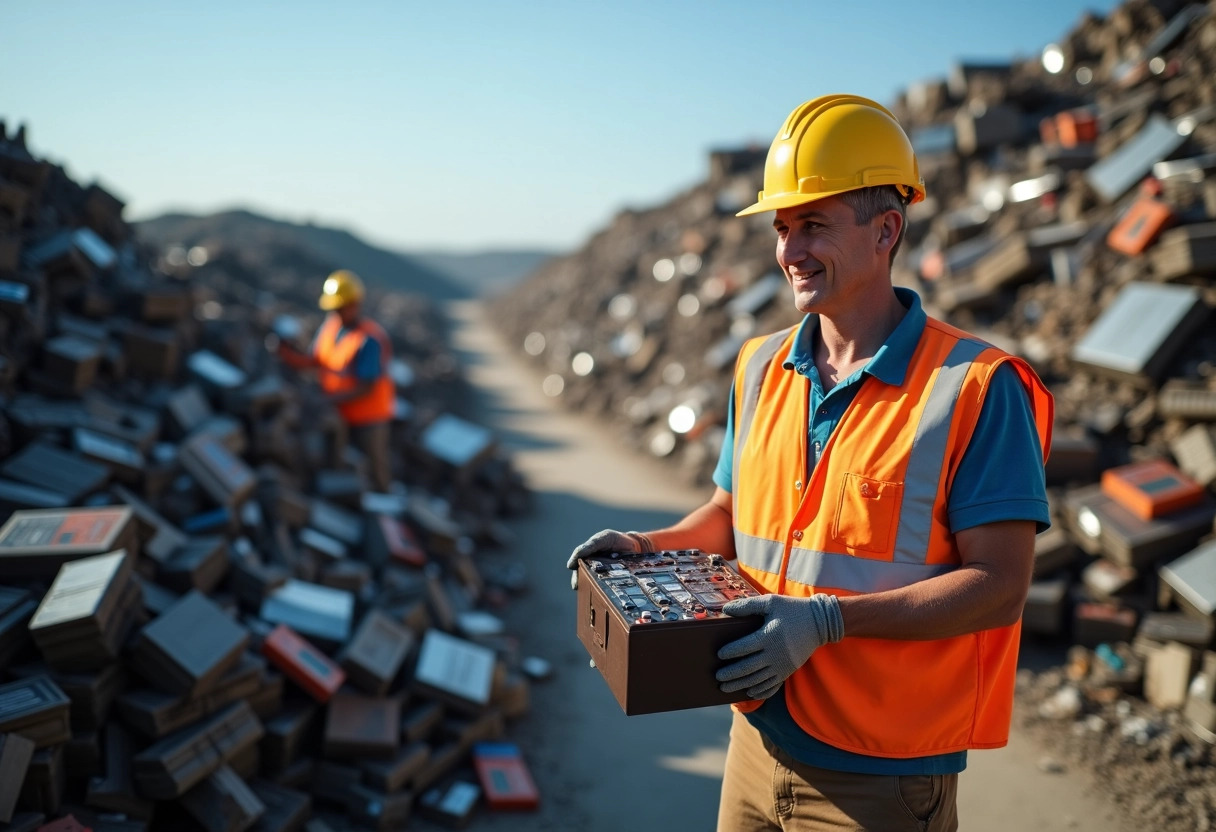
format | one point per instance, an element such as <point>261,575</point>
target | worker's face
<point>349,313</point>
<point>830,261</point>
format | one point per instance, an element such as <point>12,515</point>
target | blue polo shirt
<point>1000,477</point>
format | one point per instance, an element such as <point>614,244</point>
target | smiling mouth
<point>805,277</point>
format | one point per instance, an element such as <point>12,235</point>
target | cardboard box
<point>188,650</point>
<point>358,727</point>
<point>374,657</point>
<point>395,774</point>
<point>1168,675</point>
<point>37,709</point>
<point>288,733</point>
<point>223,802</point>
<point>65,472</point>
<point>171,767</point>
<point>85,616</point>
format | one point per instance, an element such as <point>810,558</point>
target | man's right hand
<point>606,542</point>
<point>293,357</point>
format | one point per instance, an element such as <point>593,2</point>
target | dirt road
<point>597,769</point>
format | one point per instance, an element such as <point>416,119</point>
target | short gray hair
<point>868,203</point>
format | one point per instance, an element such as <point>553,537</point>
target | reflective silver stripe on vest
<point>825,569</point>
<point>753,376</point>
<point>927,460</point>
<point>758,553</point>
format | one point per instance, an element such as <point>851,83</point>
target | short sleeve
<point>724,473</point>
<point>366,366</point>
<point>1000,476</point>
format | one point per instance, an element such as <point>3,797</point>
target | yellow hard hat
<point>833,144</point>
<point>341,288</point>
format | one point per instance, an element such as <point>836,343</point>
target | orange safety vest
<point>336,355</point>
<point>872,516</point>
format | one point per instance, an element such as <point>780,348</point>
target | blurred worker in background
<point>881,482</point>
<point>351,354</point>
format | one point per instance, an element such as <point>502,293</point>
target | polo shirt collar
<point>890,364</point>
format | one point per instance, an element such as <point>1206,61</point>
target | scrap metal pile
<point>1071,220</point>
<point>207,618</point>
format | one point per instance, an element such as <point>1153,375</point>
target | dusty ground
<point>596,768</point>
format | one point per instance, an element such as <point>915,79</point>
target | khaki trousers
<point>765,789</point>
<point>372,439</point>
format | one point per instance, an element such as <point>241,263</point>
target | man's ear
<point>892,222</point>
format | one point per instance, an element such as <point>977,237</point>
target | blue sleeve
<point>1000,476</point>
<point>723,475</point>
<point>366,366</point>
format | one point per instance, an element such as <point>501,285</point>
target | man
<point>882,482</point>
<point>351,354</point>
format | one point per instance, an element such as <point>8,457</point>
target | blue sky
<point>459,125</point>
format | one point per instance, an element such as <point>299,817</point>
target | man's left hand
<point>793,629</point>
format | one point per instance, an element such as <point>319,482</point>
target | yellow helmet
<point>833,144</point>
<point>341,288</point>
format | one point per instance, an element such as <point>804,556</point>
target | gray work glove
<point>605,543</point>
<point>793,629</point>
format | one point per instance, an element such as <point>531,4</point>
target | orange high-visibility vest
<point>336,356</point>
<point>872,516</point>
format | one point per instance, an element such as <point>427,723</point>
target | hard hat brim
<point>779,201</point>
<point>331,303</point>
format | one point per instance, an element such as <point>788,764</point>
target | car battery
<point>221,473</point>
<point>653,624</point>
<point>34,544</point>
<point>1151,489</point>
<point>1102,526</point>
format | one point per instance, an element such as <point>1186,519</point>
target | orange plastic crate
<point>1151,489</point>
<point>1140,226</point>
<point>1074,127</point>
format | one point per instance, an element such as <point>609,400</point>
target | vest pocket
<point>867,514</point>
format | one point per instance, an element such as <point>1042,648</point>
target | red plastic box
<point>303,663</point>
<point>504,776</point>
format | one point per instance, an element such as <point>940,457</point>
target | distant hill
<point>246,231</point>
<point>485,272</point>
